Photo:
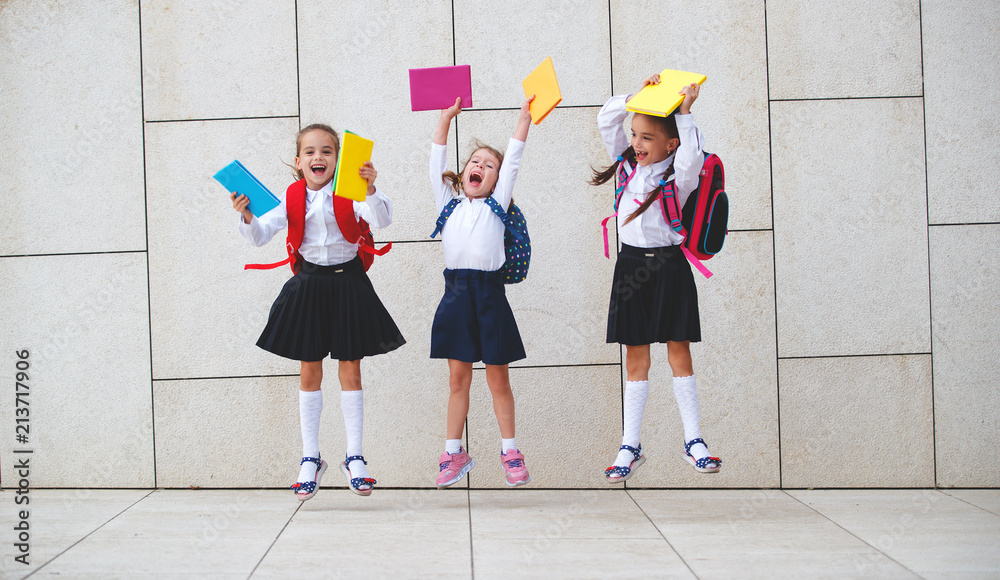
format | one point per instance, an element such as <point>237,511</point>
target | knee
<point>459,387</point>
<point>500,388</point>
<point>460,382</point>
<point>311,376</point>
<point>637,366</point>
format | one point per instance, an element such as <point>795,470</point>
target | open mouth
<point>640,155</point>
<point>475,179</point>
<point>318,170</point>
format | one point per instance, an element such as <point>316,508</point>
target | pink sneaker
<point>514,469</point>
<point>453,467</point>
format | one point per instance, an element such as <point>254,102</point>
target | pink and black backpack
<point>703,221</point>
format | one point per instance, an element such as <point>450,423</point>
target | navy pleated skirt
<point>329,310</point>
<point>653,297</point>
<point>474,321</point>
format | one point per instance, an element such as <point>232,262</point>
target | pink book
<point>436,88</point>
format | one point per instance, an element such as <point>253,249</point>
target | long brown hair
<point>455,179</point>
<point>298,144</point>
<point>601,176</point>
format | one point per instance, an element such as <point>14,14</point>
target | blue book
<point>235,177</point>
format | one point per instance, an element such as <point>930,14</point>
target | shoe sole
<point>517,483</point>
<point>362,492</point>
<point>465,469</point>
<point>635,465</point>
<point>690,460</point>
<point>319,476</point>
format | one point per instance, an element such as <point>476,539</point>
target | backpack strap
<point>354,228</point>
<point>668,201</point>
<point>505,217</point>
<point>623,175</point>
<point>295,208</point>
<point>672,213</point>
<point>445,214</point>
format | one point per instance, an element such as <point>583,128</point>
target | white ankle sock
<point>310,411</point>
<point>633,407</point>
<point>686,393</point>
<point>508,444</point>
<point>352,405</point>
<point>452,445</point>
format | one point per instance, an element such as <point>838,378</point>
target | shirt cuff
<point>514,147</point>
<point>685,121</point>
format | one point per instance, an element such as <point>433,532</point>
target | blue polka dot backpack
<point>516,242</point>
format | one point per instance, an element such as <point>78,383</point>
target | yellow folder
<point>354,151</point>
<point>662,99</point>
<point>543,84</point>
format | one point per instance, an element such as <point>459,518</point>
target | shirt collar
<point>326,190</point>
<point>656,169</point>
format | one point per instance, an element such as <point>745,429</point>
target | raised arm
<point>524,120</point>
<point>444,123</point>
<point>690,154</point>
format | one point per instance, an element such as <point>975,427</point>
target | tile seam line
<point>298,74</point>
<point>57,254</point>
<point>867,355</point>
<point>659,531</point>
<point>501,487</point>
<point>942,225</point>
<point>249,118</point>
<point>275,540</point>
<point>622,371</point>
<point>968,502</point>
<point>927,209</point>
<point>278,376</point>
<point>774,254</point>
<point>852,534</point>
<point>867,98</point>
<point>90,533</point>
<point>472,556</point>
<point>145,217</point>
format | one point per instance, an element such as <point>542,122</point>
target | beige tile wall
<point>849,330</point>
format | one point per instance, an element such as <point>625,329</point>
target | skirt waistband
<point>662,251</point>
<point>308,268</point>
<point>469,274</point>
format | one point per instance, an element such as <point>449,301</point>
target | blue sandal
<point>306,489</point>
<point>618,473</point>
<point>701,465</point>
<point>355,483</point>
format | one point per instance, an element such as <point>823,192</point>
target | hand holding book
<point>666,91</point>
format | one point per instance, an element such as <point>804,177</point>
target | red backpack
<point>703,221</point>
<point>354,230</point>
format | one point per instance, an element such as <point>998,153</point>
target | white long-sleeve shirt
<point>473,236</point>
<point>650,230</point>
<point>322,242</point>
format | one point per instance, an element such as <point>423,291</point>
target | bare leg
<point>637,362</point>
<point>459,382</point>
<point>498,379</point>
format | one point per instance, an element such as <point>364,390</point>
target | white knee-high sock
<point>686,393</point>
<point>310,411</point>
<point>633,407</point>
<point>352,405</point>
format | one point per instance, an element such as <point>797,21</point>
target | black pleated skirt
<point>329,310</point>
<point>653,297</point>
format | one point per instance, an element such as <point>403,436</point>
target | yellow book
<point>543,84</point>
<point>354,151</point>
<point>662,99</point>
